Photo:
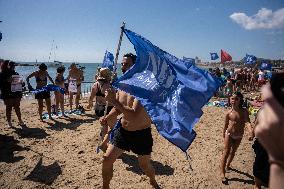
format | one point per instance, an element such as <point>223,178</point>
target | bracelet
<point>276,162</point>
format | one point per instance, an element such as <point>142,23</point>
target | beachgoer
<point>11,90</point>
<point>98,92</point>
<point>229,89</point>
<point>261,165</point>
<point>75,79</point>
<point>233,131</point>
<point>133,130</point>
<point>270,132</point>
<point>59,97</point>
<point>41,80</point>
<point>261,78</point>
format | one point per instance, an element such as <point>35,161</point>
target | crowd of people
<point>126,126</point>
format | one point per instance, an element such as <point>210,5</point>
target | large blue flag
<point>265,65</point>
<point>188,60</point>
<point>108,61</point>
<point>214,56</point>
<point>250,59</point>
<point>172,91</point>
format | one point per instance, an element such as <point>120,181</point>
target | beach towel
<point>48,88</point>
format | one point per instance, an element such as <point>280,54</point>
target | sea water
<point>90,70</point>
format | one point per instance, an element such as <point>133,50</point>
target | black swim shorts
<point>139,142</point>
<point>261,165</point>
<point>42,95</point>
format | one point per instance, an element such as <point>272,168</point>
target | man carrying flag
<point>172,93</point>
<point>225,56</point>
<point>132,132</point>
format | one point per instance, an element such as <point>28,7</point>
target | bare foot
<point>155,184</point>
<point>22,124</point>
<point>224,180</point>
<point>9,125</point>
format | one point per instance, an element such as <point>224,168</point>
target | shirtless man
<point>132,131</point>
<point>75,76</point>
<point>233,132</point>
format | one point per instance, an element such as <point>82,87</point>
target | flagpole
<point>118,47</point>
<point>114,72</point>
<point>116,58</point>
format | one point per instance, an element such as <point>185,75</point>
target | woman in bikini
<point>59,97</point>
<point>76,77</point>
<point>41,80</point>
<point>98,92</point>
<point>233,132</point>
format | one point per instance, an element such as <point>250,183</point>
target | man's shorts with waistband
<point>139,142</point>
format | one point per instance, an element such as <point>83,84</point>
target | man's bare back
<point>140,121</point>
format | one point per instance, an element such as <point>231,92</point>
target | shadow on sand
<point>132,161</point>
<point>245,181</point>
<point>7,147</point>
<point>44,174</point>
<point>72,125</point>
<point>26,132</point>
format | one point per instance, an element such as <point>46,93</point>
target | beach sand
<point>63,155</point>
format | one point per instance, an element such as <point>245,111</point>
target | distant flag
<point>225,56</point>
<point>250,59</point>
<point>214,56</point>
<point>108,60</point>
<point>171,91</point>
<point>265,65</point>
<point>189,60</point>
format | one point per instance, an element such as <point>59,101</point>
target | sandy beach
<point>62,154</point>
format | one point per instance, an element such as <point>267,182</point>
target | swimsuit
<point>139,142</point>
<point>235,137</point>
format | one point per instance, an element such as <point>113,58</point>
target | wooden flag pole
<point>116,58</point>
<point>118,47</point>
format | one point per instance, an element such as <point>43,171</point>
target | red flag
<point>225,56</point>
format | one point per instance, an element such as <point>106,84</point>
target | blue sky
<point>83,29</point>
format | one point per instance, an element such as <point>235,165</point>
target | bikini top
<point>59,80</point>
<point>99,91</point>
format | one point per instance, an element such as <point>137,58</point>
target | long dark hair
<point>4,66</point>
<point>241,97</point>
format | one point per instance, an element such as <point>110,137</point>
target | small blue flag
<point>188,60</point>
<point>250,59</point>
<point>265,65</point>
<point>171,91</point>
<point>214,56</point>
<point>108,61</point>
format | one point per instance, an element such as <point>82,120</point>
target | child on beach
<point>59,98</point>
<point>233,132</point>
